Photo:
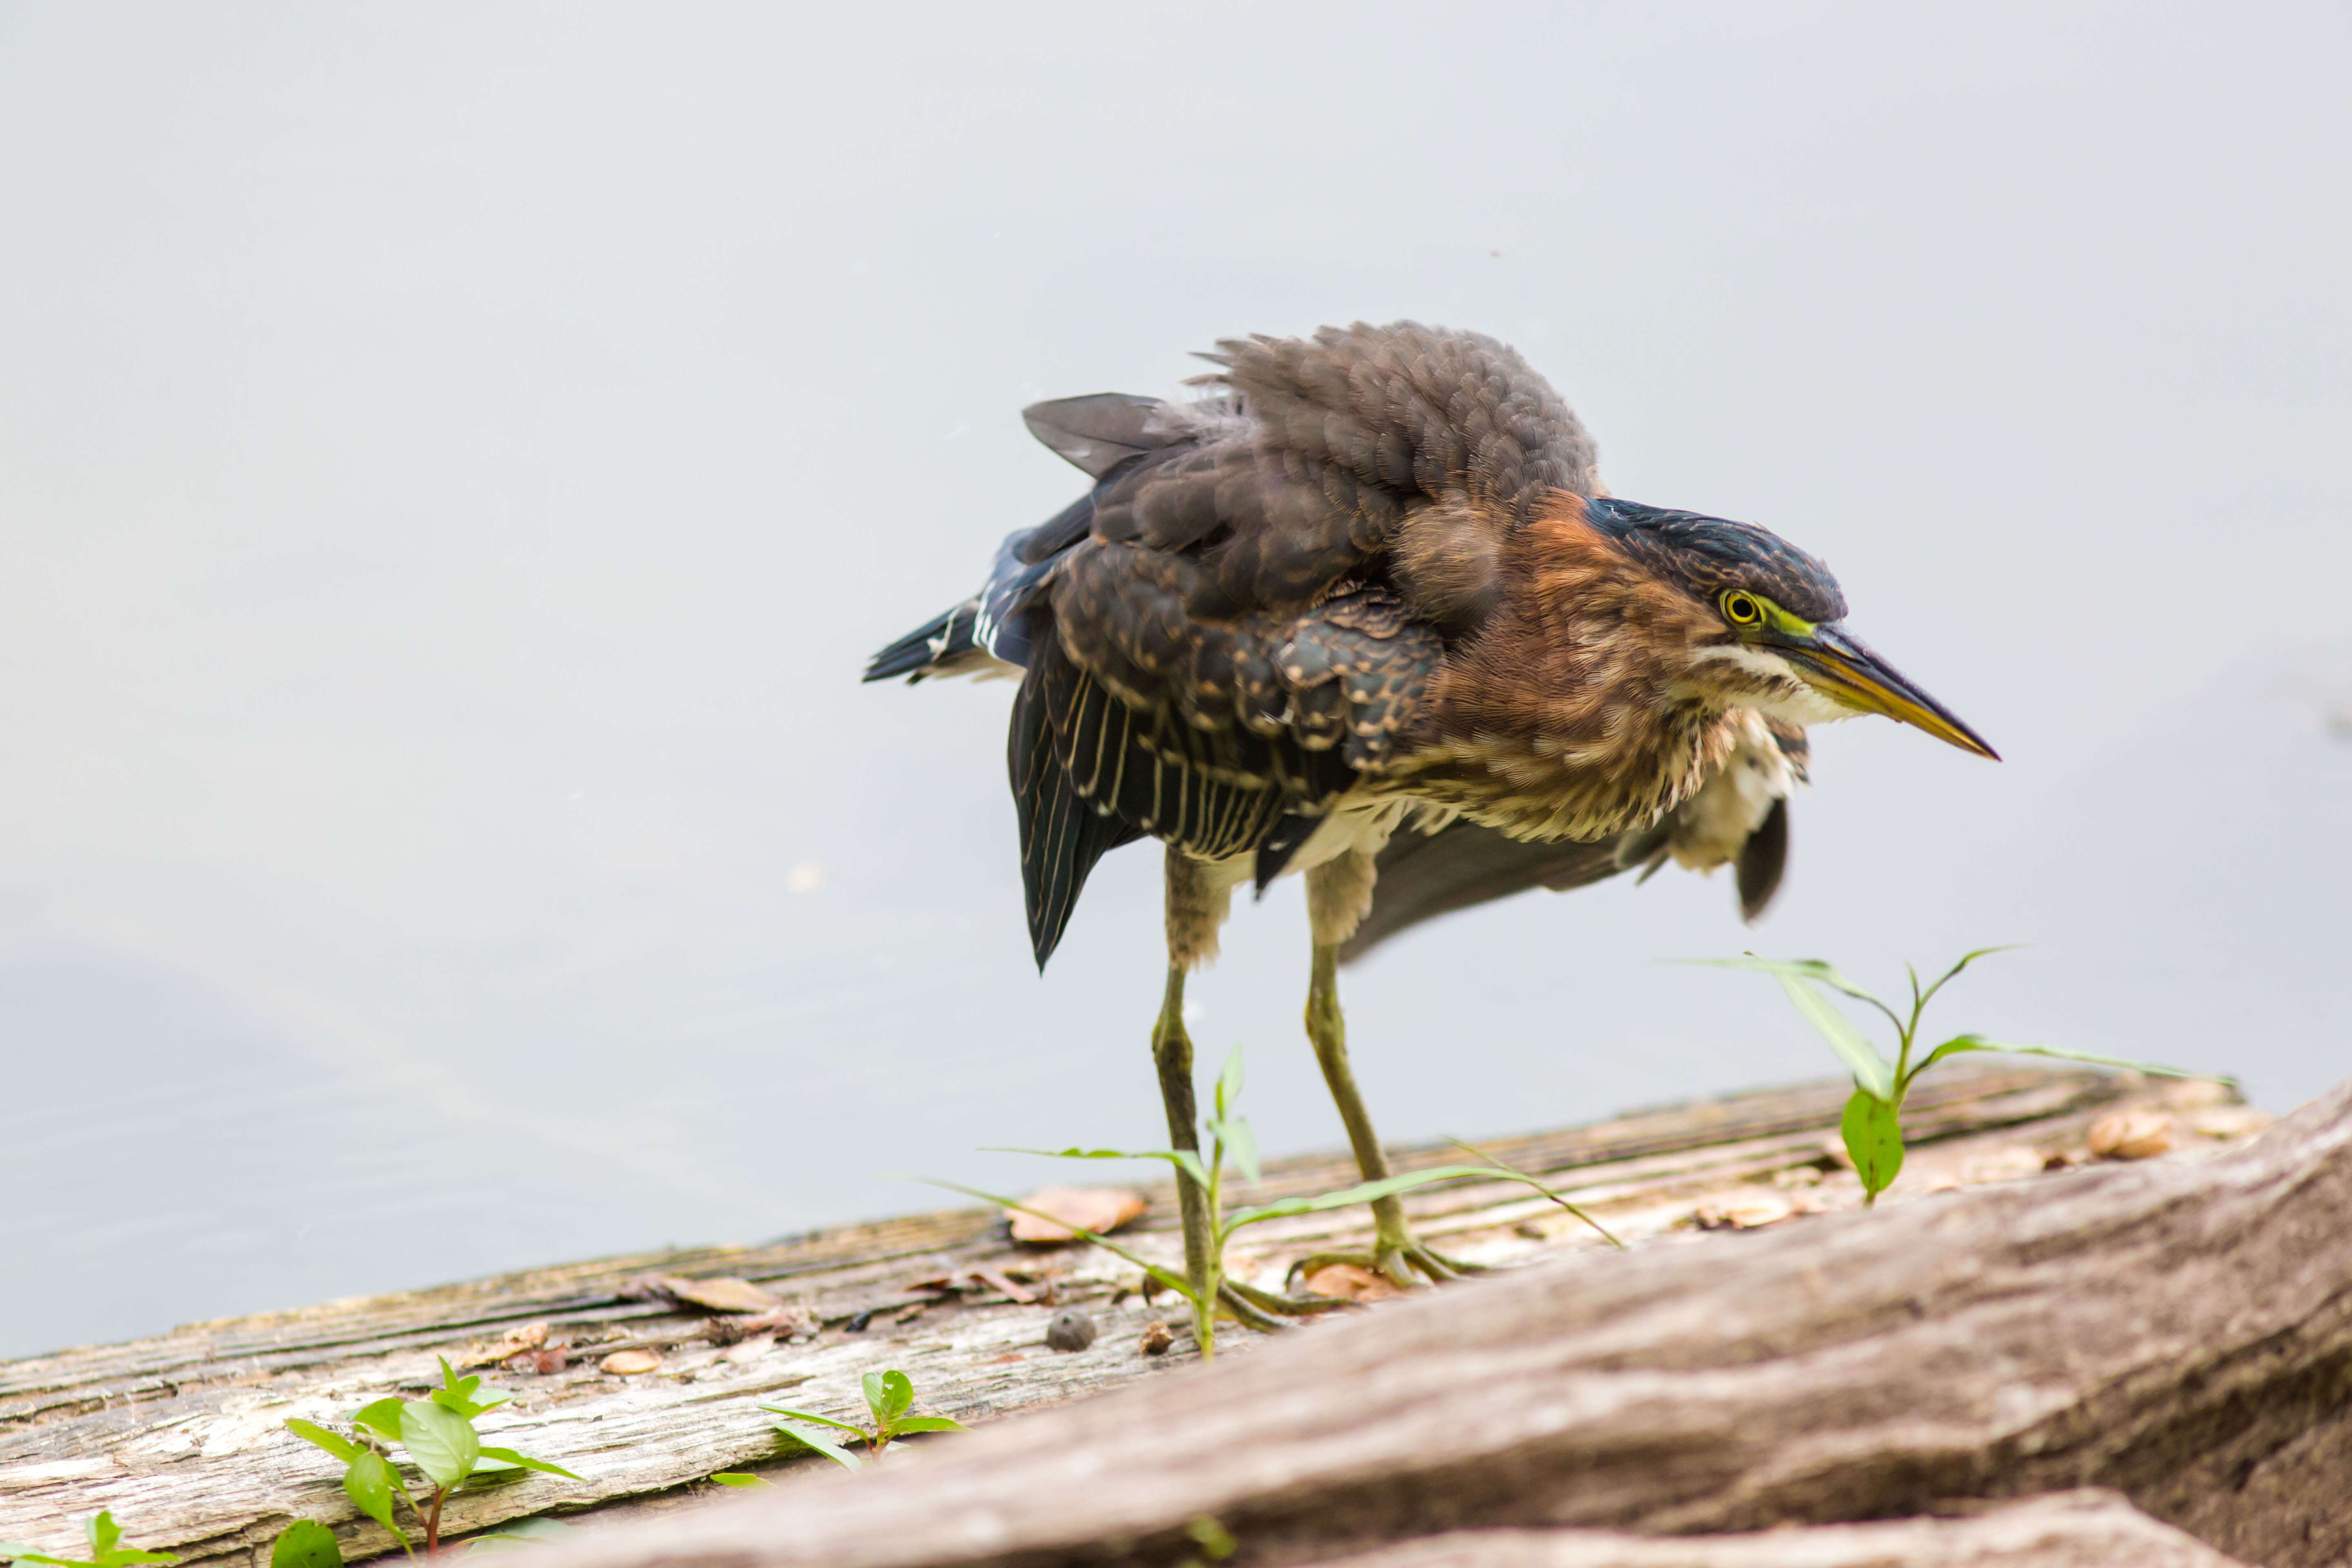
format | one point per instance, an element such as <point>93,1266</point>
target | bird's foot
<point>1263,1309</point>
<point>1396,1257</point>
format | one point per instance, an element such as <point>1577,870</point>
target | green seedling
<point>106,1550</point>
<point>438,1433</point>
<point>305,1543</point>
<point>741,1481</point>
<point>1229,1136</point>
<point>889,1396</point>
<point>1872,1126</point>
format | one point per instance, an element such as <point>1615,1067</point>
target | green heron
<point>1365,612</point>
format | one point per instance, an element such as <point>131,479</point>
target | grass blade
<point>1517,1175</point>
<point>1871,1070</point>
<point>831,1450</point>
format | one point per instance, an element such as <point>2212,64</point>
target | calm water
<point>452,462</point>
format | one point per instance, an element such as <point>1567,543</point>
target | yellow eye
<point>1741,608</point>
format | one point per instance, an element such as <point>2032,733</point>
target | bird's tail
<point>944,644</point>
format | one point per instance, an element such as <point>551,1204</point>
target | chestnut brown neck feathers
<point>1586,703</point>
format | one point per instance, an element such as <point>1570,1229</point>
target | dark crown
<point>1704,555</point>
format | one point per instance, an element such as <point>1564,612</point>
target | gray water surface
<point>454,459</point>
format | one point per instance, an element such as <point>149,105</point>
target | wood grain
<point>182,1436</point>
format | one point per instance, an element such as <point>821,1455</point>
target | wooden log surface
<point>2084,1529</point>
<point>182,1436</point>
<point>2177,1332</point>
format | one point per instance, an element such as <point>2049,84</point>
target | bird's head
<point>1777,641</point>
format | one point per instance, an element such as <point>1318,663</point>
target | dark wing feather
<point>1424,875</point>
<point>1062,833</point>
<point>1099,432</point>
<point>1763,859</point>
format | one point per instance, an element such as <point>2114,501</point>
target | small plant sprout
<point>1872,1126</point>
<point>305,1543</point>
<point>1229,1136</point>
<point>106,1550</point>
<point>889,1396</point>
<point>438,1433</point>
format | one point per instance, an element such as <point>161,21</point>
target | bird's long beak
<point>1845,670</point>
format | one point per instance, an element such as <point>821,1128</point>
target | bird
<point>1359,607</point>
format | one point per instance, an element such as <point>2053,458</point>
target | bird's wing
<point>1245,613</point>
<point>1424,875</point>
<point>1740,816</point>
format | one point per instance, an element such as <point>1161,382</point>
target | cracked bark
<point>2180,1334</point>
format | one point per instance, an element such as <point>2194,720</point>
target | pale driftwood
<point>2181,1333</point>
<point>2087,1529</point>
<point>181,1437</point>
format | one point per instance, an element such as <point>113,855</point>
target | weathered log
<point>2087,1529</point>
<point>180,1436</point>
<point>2180,1333</point>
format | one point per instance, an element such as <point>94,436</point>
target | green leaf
<point>1229,1085</point>
<point>525,1462</point>
<point>462,1395</point>
<point>16,1554</point>
<point>928,1424</point>
<point>834,1451</point>
<point>335,1443</point>
<point>1874,1073</point>
<point>305,1543</point>
<point>1239,1142</point>
<point>820,1420</point>
<point>1964,1043</point>
<point>1516,1174</point>
<point>1362,1194</point>
<point>1873,1136</point>
<point>371,1486</point>
<point>738,1479</point>
<point>104,1533</point>
<point>382,1418</point>
<point>897,1396</point>
<point>442,1442</point>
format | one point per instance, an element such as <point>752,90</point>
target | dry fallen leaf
<point>1098,1209</point>
<point>2131,1134</point>
<point>514,1341</point>
<point>2226,1121</point>
<point>628,1364</point>
<point>1744,1213</point>
<point>722,1295</point>
<point>1351,1283</point>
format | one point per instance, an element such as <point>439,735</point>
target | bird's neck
<point>1572,712</point>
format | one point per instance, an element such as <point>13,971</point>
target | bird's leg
<point>1171,1051</point>
<point>1395,1253</point>
<point>1338,893</point>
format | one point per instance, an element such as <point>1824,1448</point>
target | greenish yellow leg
<point>1171,1051</point>
<point>1395,1252</point>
